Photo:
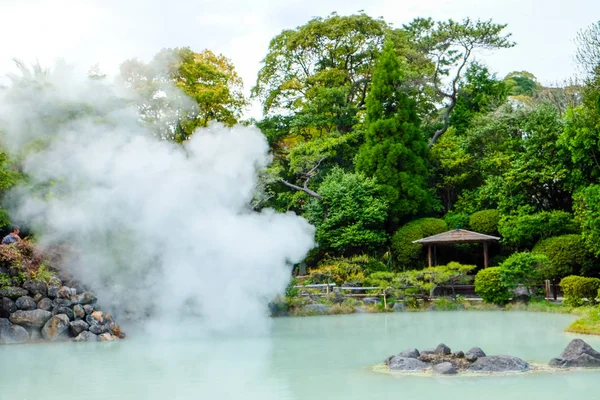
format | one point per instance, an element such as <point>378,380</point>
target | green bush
<point>523,231</point>
<point>454,220</point>
<point>485,221</point>
<point>567,254</point>
<point>490,287</point>
<point>410,255</point>
<point>525,269</point>
<point>578,290</point>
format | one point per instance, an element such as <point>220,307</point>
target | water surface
<point>303,358</point>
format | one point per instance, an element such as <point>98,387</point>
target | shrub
<point>490,287</point>
<point>578,290</point>
<point>523,231</point>
<point>567,254</point>
<point>485,221</point>
<point>409,255</point>
<point>338,271</point>
<point>460,220</point>
<point>525,269</point>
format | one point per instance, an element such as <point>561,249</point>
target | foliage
<point>521,83</point>
<point>457,220</point>
<point>525,269</point>
<point>338,271</point>
<point>408,255</point>
<point>490,286</point>
<point>428,279</point>
<point>350,218</point>
<point>587,214</point>
<point>523,231</point>
<point>485,221</point>
<point>567,254</point>
<point>579,290</point>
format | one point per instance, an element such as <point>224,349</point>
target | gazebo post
<point>429,254</point>
<point>485,254</point>
<point>435,255</point>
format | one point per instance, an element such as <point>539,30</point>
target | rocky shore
<point>38,311</point>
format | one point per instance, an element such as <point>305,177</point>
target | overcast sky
<point>86,32</point>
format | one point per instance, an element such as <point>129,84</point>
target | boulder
<point>86,336</point>
<point>64,310</point>
<point>399,307</point>
<point>499,364</point>
<point>577,354</point>
<point>371,301</point>
<point>78,311</point>
<point>311,308</point>
<point>444,368</point>
<point>12,334</point>
<point>54,285</point>
<point>76,327</point>
<point>459,354</point>
<point>30,319</point>
<point>7,307</point>
<point>37,297</point>
<point>410,353</point>
<point>63,302</point>
<point>63,293</point>
<point>25,303</point>
<point>398,363</point>
<point>36,287</point>
<point>107,337</point>
<point>443,349</point>
<point>521,294</point>
<point>45,304</point>
<point>427,351</point>
<point>13,292</point>
<point>88,308</point>
<point>55,327</point>
<point>474,353</point>
<point>35,334</point>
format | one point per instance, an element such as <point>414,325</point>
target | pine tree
<point>395,151</point>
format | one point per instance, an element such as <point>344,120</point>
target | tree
<point>588,48</point>
<point>587,214</point>
<point>521,83</point>
<point>395,152</point>
<point>180,90</point>
<point>450,45</point>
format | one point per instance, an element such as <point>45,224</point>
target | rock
<point>63,302</point>
<point>107,337</point>
<point>64,310</point>
<point>499,364</point>
<point>427,351</point>
<point>86,336</point>
<point>398,363</point>
<point>311,308</point>
<point>399,307</point>
<point>444,368</point>
<point>55,327</point>
<point>54,286</point>
<point>473,354</point>
<point>36,287</point>
<point>521,294</point>
<point>371,301</point>
<point>64,292</point>
<point>577,354</point>
<point>78,311</point>
<point>13,292</point>
<point>410,353</point>
<point>37,297</point>
<point>35,334</point>
<point>30,319</point>
<point>443,349</point>
<point>7,307</point>
<point>12,334</point>
<point>459,354</point>
<point>99,329</point>
<point>45,304</point>
<point>76,327</point>
<point>25,303</point>
<point>98,316</point>
<point>88,308</point>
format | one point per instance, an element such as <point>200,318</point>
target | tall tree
<point>395,152</point>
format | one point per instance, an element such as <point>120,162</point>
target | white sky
<point>107,32</point>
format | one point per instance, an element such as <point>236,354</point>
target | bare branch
<point>306,190</point>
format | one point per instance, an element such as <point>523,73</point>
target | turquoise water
<point>303,358</point>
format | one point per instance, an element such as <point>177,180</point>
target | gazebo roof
<point>456,236</point>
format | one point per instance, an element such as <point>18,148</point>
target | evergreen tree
<point>395,151</point>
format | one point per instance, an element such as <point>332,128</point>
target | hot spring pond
<point>303,358</point>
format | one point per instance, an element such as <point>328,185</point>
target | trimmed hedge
<point>578,290</point>
<point>567,254</point>
<point>490,287</point>
<point>485,221</point>
<point>409,255</point>
<point>523,231</point>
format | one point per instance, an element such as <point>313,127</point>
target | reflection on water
<point>317,357</point>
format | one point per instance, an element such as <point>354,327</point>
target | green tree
<point>409,255</point>
<point>394,152</point>
<point>587,214</point>
<point>525,269</point>
<point>521,83</point>
<point>567,254</point>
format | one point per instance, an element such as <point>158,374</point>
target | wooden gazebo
<point>454,237</point>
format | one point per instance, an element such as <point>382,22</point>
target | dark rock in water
<point>63,302</point>
<point>443,349</point>
<point>86,336</point>
<point>88,308</point>
<point>12,334</point>
<point>107,337</point>
<point>473,354</point>
<point>64,310</point>
<point>30,319</point>
<point>99,329</point>
<point>25,303</point>
<point>399,307</point>
<point>410,353</point>
<point>371,301</point>
<point>78,311</point>
<point>398,363</point>
<point>45,304</point>
<point>427,351</point>
<point>76,327</point>
<point>7,307</point>
<point>445,368</point>
<point>64,292</point>
<point>35,334</point>
<point>84,298</point>
<point>36,287</point>
<point>577,354</point>
<point>499,364</point>
<point>13,292</point>
<point>55,327</point>
<point>315,308</point>
<point>459,354</point>
<point>54,286</point>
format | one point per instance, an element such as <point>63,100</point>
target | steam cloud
<point>155,228</point>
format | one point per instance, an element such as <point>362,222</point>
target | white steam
<point>154,227</point>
